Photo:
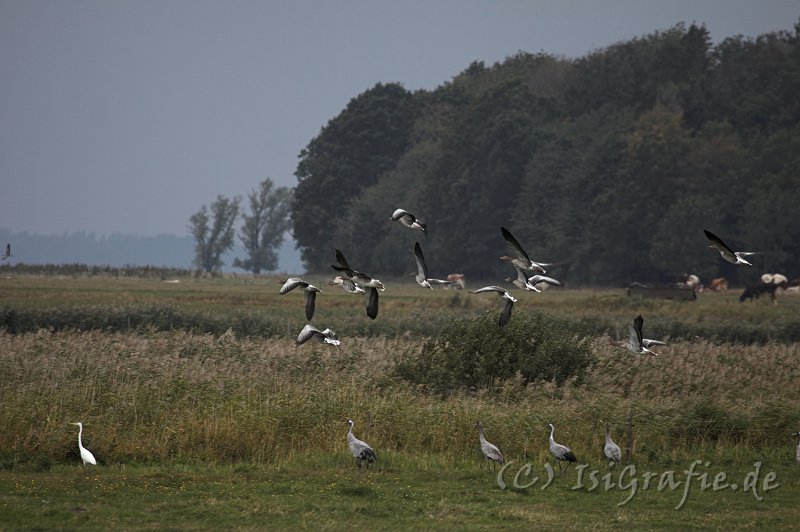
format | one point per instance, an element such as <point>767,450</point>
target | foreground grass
<point>313,492</point>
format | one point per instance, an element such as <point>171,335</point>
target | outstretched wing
<point>505,315</point>
<point>650,343</point>
<point>308,332</point>
<point>720,246</point>
<point>513,241</point>
<point>535,279</point>
<point>497,289</point>
<point>371,298</point>
<point>291,284</point>
<point>311,298</point>
<point>422,268</point>
<point>635,328</point>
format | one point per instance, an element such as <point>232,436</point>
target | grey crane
<point>360,450</point>
<point>611,449</point>
<point>422,271</point>
<point>309,291</point>
<point>797,453</point>
<point>86,454</point>
<point>734,257</point>
<point>561,452</point>
<point>370,285</point>
<point>522,259</point>
<point>309,331</point>
<point>505,314</point>
<point>409,220</point>
<point>489,450</point>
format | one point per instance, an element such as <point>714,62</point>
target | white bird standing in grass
<point>86,455</point>
<point>409,220</point>
<point>360,450</point>
<point>561,452</point>
<point>309,290</point>
<point>309,331</point>
<point>505,314</point>
<point>611,449</point>
<point>734,257</point>
<point>489,450</point>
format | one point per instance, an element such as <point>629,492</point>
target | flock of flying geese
<point>356,282</point>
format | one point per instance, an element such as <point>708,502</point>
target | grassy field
<point>197,429</point>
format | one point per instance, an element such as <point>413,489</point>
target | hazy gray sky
<point>127,116</point>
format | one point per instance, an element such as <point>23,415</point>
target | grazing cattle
<point>690,280</point>
<point>754,291</point>
<point>459,283</point>
<point>778,279</point>
<point>720,284</point>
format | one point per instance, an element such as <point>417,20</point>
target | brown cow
<point>720,284</point>
<point>459,283</point>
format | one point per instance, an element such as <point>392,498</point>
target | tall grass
<point>183,397</point>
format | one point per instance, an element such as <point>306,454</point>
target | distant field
<point>233,428</point>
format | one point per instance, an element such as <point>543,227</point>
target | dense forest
<point>609,165</point>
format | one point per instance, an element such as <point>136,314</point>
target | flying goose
<point>611,449</point>
<point>522,280</point>
<point>346,284</point>
<point>370,285</point>
<point>7,254</point>
<point>422,271</point>
<point>522,259</point>
<point>635,343</point>
<point>536,279</point>
<point>360,450</point>
<point>734,257</point>
<point>489,450</point>
<point>561,452</point>
<point>309,331</point>
<point>505,314</point>
<point>409,220</point>
<point>309,290</point>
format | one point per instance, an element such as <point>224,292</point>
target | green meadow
<point>204,414</point>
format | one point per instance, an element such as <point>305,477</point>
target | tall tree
<point>263,229</point>
<point>212,242</point>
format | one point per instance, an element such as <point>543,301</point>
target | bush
<point>476,353</point>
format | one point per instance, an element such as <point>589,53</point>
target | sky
<point>127,116</point>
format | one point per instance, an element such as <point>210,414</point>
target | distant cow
<point>690,280</point>
<point>754,291</point>
<point>459,283</point>
<point>720,284</point>
<point>777,279</point>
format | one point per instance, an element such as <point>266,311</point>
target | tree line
<point>609,165</point>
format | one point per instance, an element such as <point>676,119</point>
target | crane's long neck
<point>480,434</point>
<point>608,435</point>
<point>552,430</point>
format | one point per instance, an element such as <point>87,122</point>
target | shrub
<point>476,353</point>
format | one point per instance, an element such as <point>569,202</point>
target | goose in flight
<point>734,257</point>
<point>521,281</point>
<point>522,260</point>
<point>409,220</point>
<point>309,331</point>
<point>346,284</point>
<point>309,290</point>
<point>422,271</point>
<point>536,279</point>
<point>635,342</point>
<point>505,314</point>
<point>360,450</point>
<point>561,452</point>
<point>489,450</point>
<point>370,285</point>
<point>7,254</point>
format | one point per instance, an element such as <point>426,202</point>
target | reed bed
<point>177,396</point>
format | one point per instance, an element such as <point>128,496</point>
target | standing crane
<point>361,450</point>
<point>489,450</point>
<point>86,454</point>
<point>611,449</point>
<point>561,452</point>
